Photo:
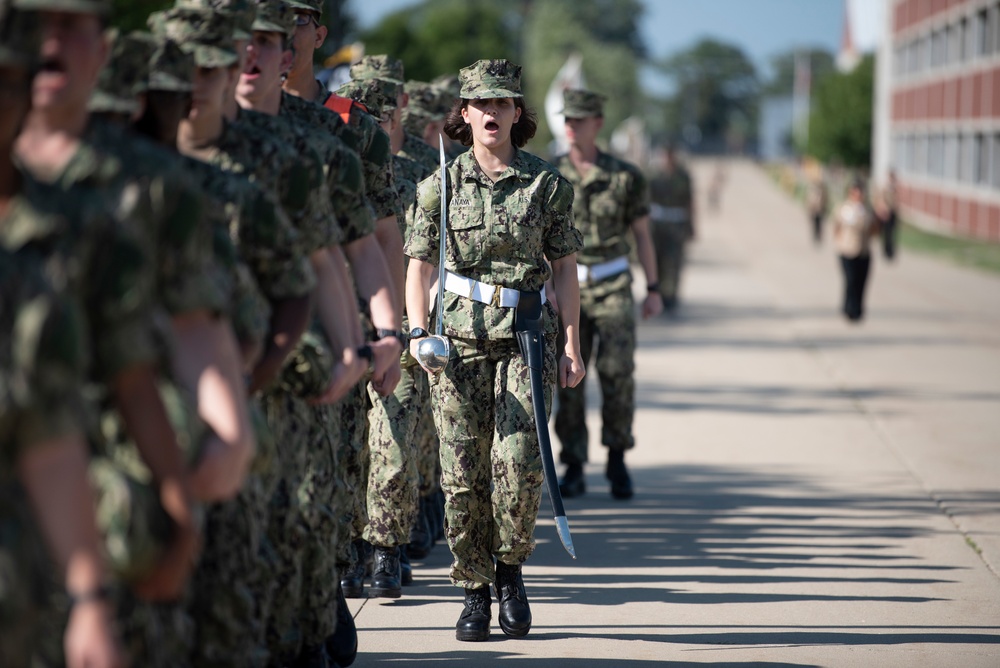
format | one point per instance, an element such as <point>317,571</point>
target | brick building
<point>937,115</point>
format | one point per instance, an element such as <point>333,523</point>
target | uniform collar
<point>600,172</point>
<point>518,168</point>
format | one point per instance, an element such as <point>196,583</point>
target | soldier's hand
<point>652,306</point>
<point>345,376</point>
<point>571,370</point>
<point>90,641</point>
<point>166,581</point>
<point>387,373</point>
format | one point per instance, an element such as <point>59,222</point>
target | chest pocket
<point>522,220</point>
<point>606,206</point>
<point>466,230</point>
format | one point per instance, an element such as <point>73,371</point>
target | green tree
<point>840,123</point>
<point>717,97</point>
<point>782,81</point>
<point>442,36</point>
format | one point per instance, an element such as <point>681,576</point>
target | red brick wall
<point>954,213</point>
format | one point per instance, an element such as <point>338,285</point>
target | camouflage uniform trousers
<point>232,586</point>
<point>136,530</point>
<point>317,497</point>
<point>611,320</point>
<point>669,240</point>
<point>289,418</point>
<point>392,495</point>
<point>352,471</point>
<point>428,457</point>
<point>491,466</point>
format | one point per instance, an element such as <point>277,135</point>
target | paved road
<point>810,493</point>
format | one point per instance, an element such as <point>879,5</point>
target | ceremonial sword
<point>434,351</point>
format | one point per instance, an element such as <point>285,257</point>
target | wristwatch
<point>418,333</point>
<point>386,333</point>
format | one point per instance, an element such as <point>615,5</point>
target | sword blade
<point>444,223</point>
<point>545,442</point>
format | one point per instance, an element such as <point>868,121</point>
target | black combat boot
<point>386,577</point>
<point>515,613</point>
<point>621,483</point>
<point>342,646</point>
<point>573,483</point>
<point>420,534</point>
<point>405,569</point>
<point>474,623</point>
<point>352,579</point>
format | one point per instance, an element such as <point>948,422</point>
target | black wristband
<point>653,287</point>
<point>386,333</point>
<point>101,594</point>
<point>365,352</point>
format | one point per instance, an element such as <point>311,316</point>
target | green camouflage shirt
<point>499,233</point>
<point>145,186</point>
<point>42,357</point>
<point>364,135</point>
<point>408,174</point>
<point>318,233</point>
<point>344,171</point>
<point>418,150</point>
<point>95,260</point>
<point>608,200</point>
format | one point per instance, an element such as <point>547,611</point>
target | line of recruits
<point>212,428</point>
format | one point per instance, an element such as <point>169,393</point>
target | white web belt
<point>598,272</point>
<point>483,292</point>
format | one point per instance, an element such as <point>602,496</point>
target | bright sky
<point>762,28</point>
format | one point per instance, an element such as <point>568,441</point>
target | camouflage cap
<point>579,103</point>
<point>99,7</point>
<point>125,76</point>
<point>308,5</point>
<point>242,12</point>
<point>427,101</point>
<point>170,68</point>
<point>378,95</point>
<point>378,67</point>
<point>19,36</point>
<point>274,16</point>
<point>207,35</point>
<point>449,84</point>
<point>490,79</point>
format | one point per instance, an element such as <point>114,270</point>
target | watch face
<point>418,333</point>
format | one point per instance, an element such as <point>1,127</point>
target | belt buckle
<point>495,300</point>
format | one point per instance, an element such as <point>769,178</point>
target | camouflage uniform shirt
<point>499,233</point>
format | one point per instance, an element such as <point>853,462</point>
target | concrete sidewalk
<point>810,493</point>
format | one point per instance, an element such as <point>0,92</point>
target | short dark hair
<point>520,133</point>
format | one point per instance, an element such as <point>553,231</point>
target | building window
<point>954,43</point>
<point>951,157</point>
<point>965,41</point>
<point>982,37</point>
<point>995,161</point>
<point>980,159</point>
<point>965,159</point>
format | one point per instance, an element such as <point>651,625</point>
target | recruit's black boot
<point>515,613</point>
<point>621,483</point>
<point>474,623</point>
<point>386,577</point>
<point>573,483</point>
<point>420,534</point>
<point>342,646</point>
<point>313,656</point>
<point>405,569</point>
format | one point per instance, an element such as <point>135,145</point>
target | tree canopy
<point>840,124</point>
<point>717,98</point>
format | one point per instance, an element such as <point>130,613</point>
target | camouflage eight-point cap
<point>378,67</point>
<point>490,79</point>
<point>99,7</point>
<point>428,100</point>
<point>242,12</point>
<point>308,5</point>
<point>578,103</point>
<point>275,16</point>
<point>125,76</point>
<point>378,95</point>
<point>19,36</point>
<point>170,69</point>
<point>207,35</point>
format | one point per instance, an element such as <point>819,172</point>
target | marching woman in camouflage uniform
<point>510,216</point>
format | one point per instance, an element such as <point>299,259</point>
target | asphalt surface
<point>809,492</point>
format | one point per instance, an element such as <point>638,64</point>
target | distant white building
<point>937,113</point>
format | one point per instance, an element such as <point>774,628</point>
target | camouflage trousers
<point>490,463</point>
<point>352,471</point>
<point>232,587</point>
<point>317,498</point>
<point>392,495</point>
<point>289,418</point>
<point>610,319</point>
<point>428,448</point>
<point>668,241</point>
